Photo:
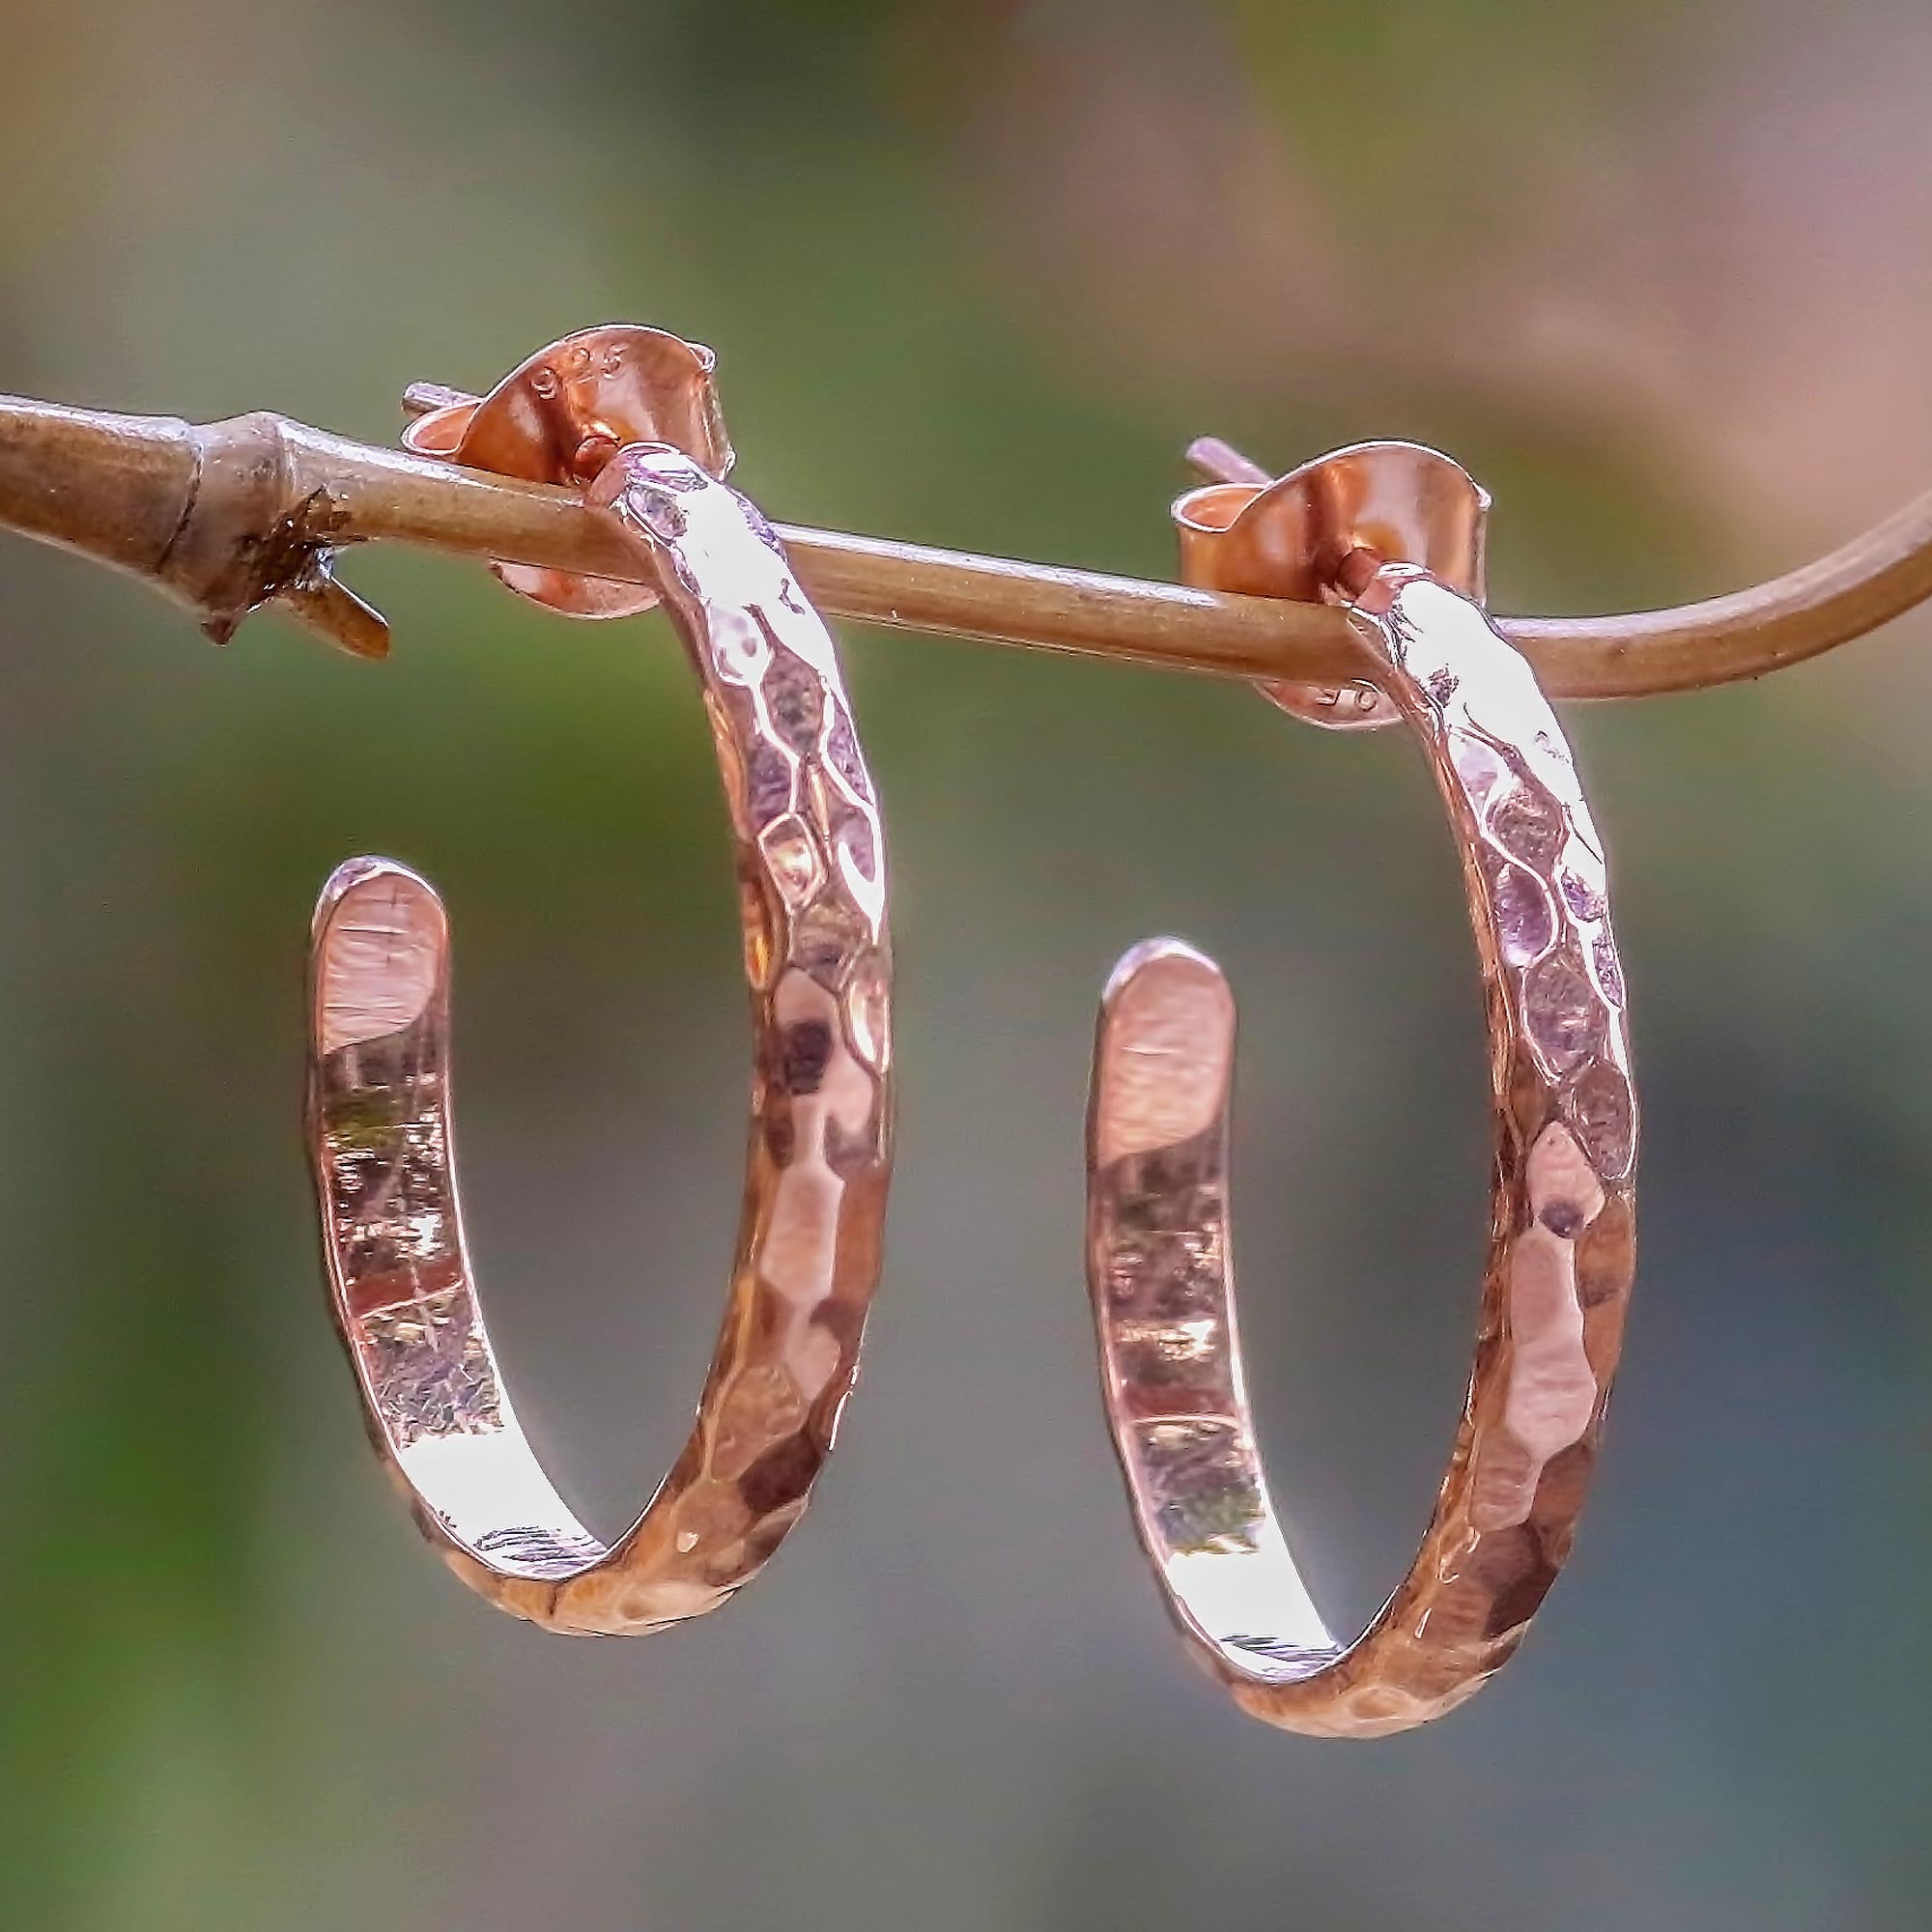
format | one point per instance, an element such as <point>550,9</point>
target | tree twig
<point>228,517</point>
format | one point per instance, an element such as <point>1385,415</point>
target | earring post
<point>228,517</point>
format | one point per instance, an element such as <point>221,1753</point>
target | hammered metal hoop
<point>1560,1255</point>
<point>811,864</point>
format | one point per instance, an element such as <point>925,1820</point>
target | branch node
<point>245,539</point>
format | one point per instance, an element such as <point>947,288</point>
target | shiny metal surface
<point>1560,1256</point>
<point>811,864</point>
<point>562,413</point>
<point>1294,538</point>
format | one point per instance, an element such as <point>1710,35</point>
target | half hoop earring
<point>1561,1248</point>
<point>811,864</point>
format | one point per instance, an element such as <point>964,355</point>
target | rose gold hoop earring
<point>1560,1255</point>
<point>811,864</point>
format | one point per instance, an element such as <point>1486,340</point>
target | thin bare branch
<point>228,517</point>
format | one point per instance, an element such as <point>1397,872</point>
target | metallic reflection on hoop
<point>1561,1248</point>
<point>811,864</point>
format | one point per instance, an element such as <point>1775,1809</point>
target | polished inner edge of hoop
<point>404,1283</point>
<point>1163,1077</point>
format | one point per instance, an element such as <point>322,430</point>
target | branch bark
<point>229,516</point>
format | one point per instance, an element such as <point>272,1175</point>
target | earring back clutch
<point>1303,535</point>
<point>562,414</point>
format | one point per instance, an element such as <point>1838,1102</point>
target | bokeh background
<point>1660,275</point>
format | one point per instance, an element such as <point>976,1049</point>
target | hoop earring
<point>811,864</point>
<point>1561,1250</point>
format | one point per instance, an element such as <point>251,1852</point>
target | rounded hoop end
<point>1163,1052</point>
<point>379,952</point>
<point>1162,954</point>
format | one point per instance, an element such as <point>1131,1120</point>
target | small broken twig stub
<point>252,533</point>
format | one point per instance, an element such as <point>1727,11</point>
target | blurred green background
<point>1660,275</point>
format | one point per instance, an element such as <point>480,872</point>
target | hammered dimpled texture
<point>810,866</point>
<point>1560,1255</point>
